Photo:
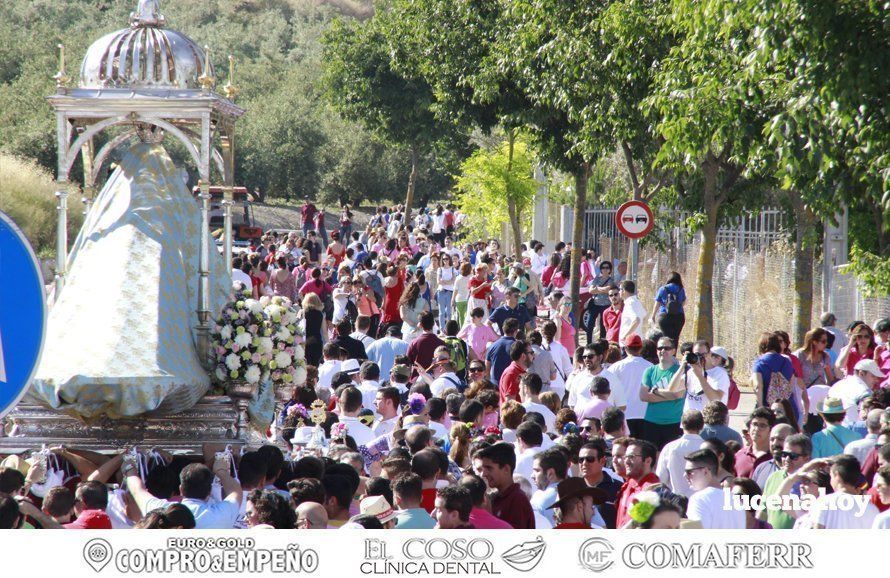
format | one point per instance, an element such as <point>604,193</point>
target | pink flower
<point>235,348</point>
<point>255,358</point>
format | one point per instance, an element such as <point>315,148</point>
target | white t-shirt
<point>672,462</point>
<point>549,416</point>
<point>209,514</point>
<point>851,390</point>
<point>633,309</point>
<point>581,396</point>
<point>695,397</point>
<point>384,426</point>
<point>443,382</point>
<point>525,460</point>
<point>839,511</point>
<point>361,433</point>
<point>369,394</point>
<point>882,521</point>
<point>708,506</point>
<point>630,372</point>
<point>563,362</point>
<point>439,430</point>
<point>326,373</point>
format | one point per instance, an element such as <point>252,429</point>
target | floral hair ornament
<point>643,506</point>
<point>493,430</point>
<point>298,410</point>
<point>416,403</point>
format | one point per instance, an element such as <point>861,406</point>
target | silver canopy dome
<point>145,55</point>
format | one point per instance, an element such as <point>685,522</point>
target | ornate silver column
<point>227,217</point>
<point>203,329</point>
<point>61,238</point>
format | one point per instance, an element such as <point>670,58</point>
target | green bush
<point>27,195</point>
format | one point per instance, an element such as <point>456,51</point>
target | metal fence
<point>747,232</point>
<point>753,283</point>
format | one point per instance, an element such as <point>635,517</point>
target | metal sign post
<point>635,220</point>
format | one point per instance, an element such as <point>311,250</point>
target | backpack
<point>671,304</point>
<point>733,396</point>
<point>779,388</point>
<point>458,354</point>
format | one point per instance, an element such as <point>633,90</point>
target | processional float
<point>128,335</point>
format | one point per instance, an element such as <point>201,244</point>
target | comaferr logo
<point>696,555</point>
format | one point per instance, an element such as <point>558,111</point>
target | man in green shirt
<point>661,423</point>
<point>796,453</point>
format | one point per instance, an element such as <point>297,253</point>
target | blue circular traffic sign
<point>22,314</point>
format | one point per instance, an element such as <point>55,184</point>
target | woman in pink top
<point>477,335</point>
<point>860,346</point>
<point>566,332</point>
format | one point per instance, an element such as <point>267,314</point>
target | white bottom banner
<point>347,553</point>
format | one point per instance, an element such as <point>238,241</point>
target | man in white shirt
<point>672,459</point>
<point>386,406</point>
<point>711,381</point>
<point>530,386</point>
<point>350,404</point>
<point>445,378</point>
<point>239,276</point>
<point>548,469</point>
<point>362,326</point>
<point>529,438</point>
<point>369,383</point>
<point>195,486</point>
<point>708,502</point>
<point>630,372</point>
<point>829,512</point>
<point>580,395</point>
<point>633,316</point>
<point>856,387</point>
<point>860,448</point>
<point>329,367</point>
<point>562,359</point>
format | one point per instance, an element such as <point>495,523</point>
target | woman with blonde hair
<point>315,326</point>
<point>460,444</point>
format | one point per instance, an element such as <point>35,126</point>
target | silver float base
<point>214,419</point>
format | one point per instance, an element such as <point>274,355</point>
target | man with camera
<point>708,380</point>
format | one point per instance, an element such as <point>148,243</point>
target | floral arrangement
<point>256,340</point>
<point>339,431</point>
<point>644,504</point>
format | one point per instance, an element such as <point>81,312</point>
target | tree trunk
<point>582,174</point>
<point>412,181</point>
<point>512,209</point>
<point>704,307</point>
<point>803,269</point>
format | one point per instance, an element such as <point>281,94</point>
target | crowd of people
<point>446,389</point>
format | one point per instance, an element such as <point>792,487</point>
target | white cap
<point>350,366</point>
<point>720,352</point>
<point>870,366</point>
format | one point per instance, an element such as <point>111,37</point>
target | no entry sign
<point>634,219</point>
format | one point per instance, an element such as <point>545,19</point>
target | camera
<point>692,358</point>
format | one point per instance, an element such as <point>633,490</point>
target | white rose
<point>225,333</point>
<point>289,317</point>
<point>220,374</point>
<point>282,359</point>
<point>266,345</point>
<point>300,375</point>
<point>244,339</point>
<point>233,361</point>
<point>252,375</point>
<point>254,306</point>
<point>299,353</point>
<point>265,300</point>
<point>283,334</point>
